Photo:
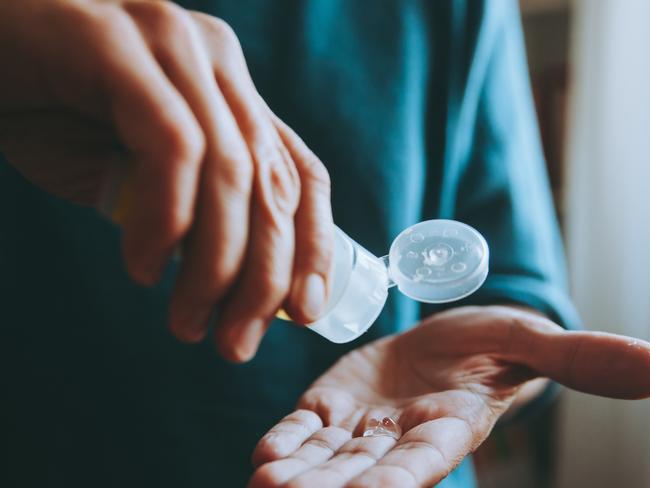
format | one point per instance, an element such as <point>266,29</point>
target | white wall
<point>606,443</point>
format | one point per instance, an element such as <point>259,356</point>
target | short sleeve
<point>495,178</point>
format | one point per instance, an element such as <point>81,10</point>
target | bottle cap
<point>438,261</point>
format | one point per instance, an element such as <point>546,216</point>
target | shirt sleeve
<point>494,176</point>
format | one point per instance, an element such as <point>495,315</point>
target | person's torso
<point>101,393</point>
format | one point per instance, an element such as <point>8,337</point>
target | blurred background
<point>589,64</point>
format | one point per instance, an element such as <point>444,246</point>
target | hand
<point>446,382</point>
<point>88,84</point>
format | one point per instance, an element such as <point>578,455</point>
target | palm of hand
<point>445,394</point>
<point>446,382</point>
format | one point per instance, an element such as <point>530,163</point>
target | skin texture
<point>89,85</point>
<point>447,382</point>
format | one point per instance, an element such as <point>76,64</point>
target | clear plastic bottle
<point>358,292</point>
<point>434,261</point>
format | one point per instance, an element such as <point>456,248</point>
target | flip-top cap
<point>438,261</point>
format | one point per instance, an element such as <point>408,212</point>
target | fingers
<point>353,458</point>
<point>318,407</point>
<point>156,124</point>
<point>287,436</point>
<point>314,233</point>
<point>214,251</point>
<point>441,429</point>
<point>423,456</point>
<point>266,275</point>
<point>333,406</point>
<point>222,170</point>
<point>314,230</point>
<point>242,155</point>
<point>593,362</point>
<point>441,433</point>
<point>316,450</point>
<point>265,278</point>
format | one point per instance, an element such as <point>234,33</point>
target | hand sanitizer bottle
<point>434,261</point>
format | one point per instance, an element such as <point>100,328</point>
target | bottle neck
<point>384,259</point>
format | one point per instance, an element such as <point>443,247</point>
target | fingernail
<point>245,339</point>
<point>311,294</point>
<point>192,326</point>
<point>147,273</point>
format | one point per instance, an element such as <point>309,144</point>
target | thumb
<point>592,362</point>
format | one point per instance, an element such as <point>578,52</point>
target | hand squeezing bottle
<point>434,261</point>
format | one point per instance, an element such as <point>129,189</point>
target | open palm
<point>446,383</point>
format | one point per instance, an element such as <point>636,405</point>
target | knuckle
<point>280,182</point>
<point>217,30</point>
<point>182,144</point>
<point>166,18</point>
<point>106,20</point>
<point>314,172</point>
<point>264,151</point>
<point>219,275</point>
<point>286,187</point>
<point>235,174</point>
<point>220,31</point>
<point>315,243</point>
<point>320,244</point>
<point>274,285</point>
<point>172,224</point>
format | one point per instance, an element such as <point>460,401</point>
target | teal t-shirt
<point>418,109</point>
